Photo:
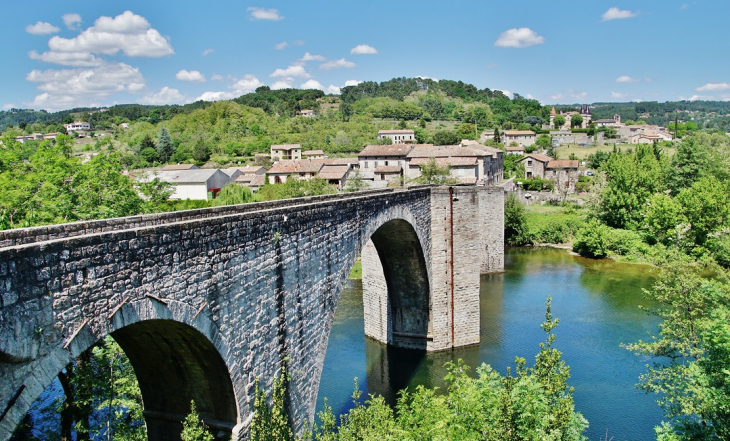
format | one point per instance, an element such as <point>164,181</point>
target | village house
<point>78,126</point>
<point>400,136</point>
<point>232,172</point>
<point>303,169</point>
<point>466,163</point>
<point>252,181</point>
<point>313,154</point>
<point>493,162</point>
<point>373,157</point>
<point>564,173</point>
<point>194,184</point>
<point>286,152</point>
<point>522,138</point>
<point>615,122</point>
<point>307,113</point>
<point>174,167</point>
<point>335,174</point>
<point>535,165</point>
<point>514,150</point>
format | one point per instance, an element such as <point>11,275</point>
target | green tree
<point>558,121</point>
<point>355,182</point>
<point>544,141</point>
<point>446,137</point>
<point>515,222</point>
<point>193,427</point>
<point>497,137</point>
<point>201,151</point>
<point>234,194</point>
<point>705,206</point>
<point>432,173</point>
<point>576,120</point>
<point>694,385</point>
<point>664,219</point>
<point>165,147</point>
<point>271,423</point>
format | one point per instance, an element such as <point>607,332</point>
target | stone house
<point>522,138</point>
<point>535,165</point>
<point>564,173</point>
<point>252,181</point>
<point>514,150</point>
<point>303,169</point>
<point>492,162</point>
<point>374,156</point>
<point>286,152</point>
<point>466,163</point>
<point>313,154</point>
<point>191,184</point>
<point>335,174</point>
<point>400,136</point>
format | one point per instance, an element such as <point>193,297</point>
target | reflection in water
<point>596,302</point>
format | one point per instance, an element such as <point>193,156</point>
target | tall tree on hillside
<point>165,147</point>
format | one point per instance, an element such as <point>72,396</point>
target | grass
<point>356,272</point>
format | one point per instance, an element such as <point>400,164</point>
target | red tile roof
<point>297,166</point>
<point>563,163</point>
<point>285,146</point>
<point>386,150</point>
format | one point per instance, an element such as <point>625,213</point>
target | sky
<point>60,54</point>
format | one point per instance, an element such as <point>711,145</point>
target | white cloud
<point>42,28</point>
<point>557,96</point>
<point>616,13</point>
<point>8,106</point>
<point>128,32</point>
<point>281,45</point>
<point>695,98</point>
<point>217,77</point>
<point>352,82</point>
<point>71,21</point>
<point>166,95</point>
<point>579,95</point>
<point>78,59</point>
<point>637,100</point>
<point>337,64</point>
<point>193,75</point>
<point>65,88</point>
<point>619,95</point>
<point>207,52</point>
<point>713,87</point>
<point>507,92</point>
<point>363,49</point>
<point>286,83</point>
<point>299,43</point>
<point>312,84</point>
<point>264,14</point>
<point>333,90</point>
<point>295,71</point>
<point>247,84</point>
<point>309,57</point>
<point>423,77</point>
<point>522,37</point>
<point>626,79</point>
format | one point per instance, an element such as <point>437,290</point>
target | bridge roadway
<point>203,302</point>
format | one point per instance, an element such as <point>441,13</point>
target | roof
<point>313,152</point>
<point>386,150</point>
<point>338,161</point>
<point>285,146</point>
<point>539,157</point>
<point>249,169</point>
<point>453,161</point>
<point>251,180</point>
<point>388,169</point>
<point>179,167</point>
<point>563,163</point>
<point>514,149</point>
<point>197,176</point>
<point>297,166</point>
<point>553,112</point>
<point>396,132</point>
<point>518,132</point>
<point>605,121</point>
<point>333,171</point>
<point>441,151</point>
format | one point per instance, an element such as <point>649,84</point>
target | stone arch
<point>397,294</point>
<point>178,356</point>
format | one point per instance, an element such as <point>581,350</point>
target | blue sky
<point>61,54</point>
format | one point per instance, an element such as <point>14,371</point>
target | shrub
<point>537,184</point>
<point>592,240</point>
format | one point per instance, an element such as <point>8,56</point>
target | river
<point>597,302</point>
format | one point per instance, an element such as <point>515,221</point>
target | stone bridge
<point>203,302</point>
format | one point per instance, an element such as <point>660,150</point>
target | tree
<point>155,191</point>
<point>165,148</point>
<point>402,124</point>
<point>544,141</point>
<point>576,120</point>
<point>445,137</point>
<point>467,131</point>
<point>694,345</point>
<point>432,173</point>
<point>533,120</point>
<point>705,206</point>
<point>271,423</point>
<point>193,427</point>
<point>558,121</point>
<point>201,151</point>
<point>515,221</point>
<point>234,194</point>
<point>355,182</point>
<point>497,137</point>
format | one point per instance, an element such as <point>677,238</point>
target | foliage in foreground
<point>691,373</point>
<point>533,404</point>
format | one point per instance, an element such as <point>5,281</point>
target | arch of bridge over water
<point>203,302</point>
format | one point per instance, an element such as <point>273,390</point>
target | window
<point>376,164</point>
<point>386,163</point>
<point>366,164</point>
<point>382,176</point>
<point>529,163</point>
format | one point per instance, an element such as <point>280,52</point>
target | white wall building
<point>191,184</point>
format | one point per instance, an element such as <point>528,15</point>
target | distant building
<point>313,154</point>
<point>124,125</point>
<point>77,126</point>
<point>523,138</point>
<point>535,165</point>
<point>585,113</point>
<point>307,113</point>
<point>615,122</point>
<point>335,174</point>
<point>193,184</point>
<point>302,169</point>
<point>252,181</point>
<point>286,152</point>
<point>174,167</point>
<point>400,136</point>
<point>515,150</point>
<point>376,155</point>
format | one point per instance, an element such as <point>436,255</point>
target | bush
<point>515,222</point>
<point>592,240</point>
<point>553,228</point>
<point>537,184</point>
